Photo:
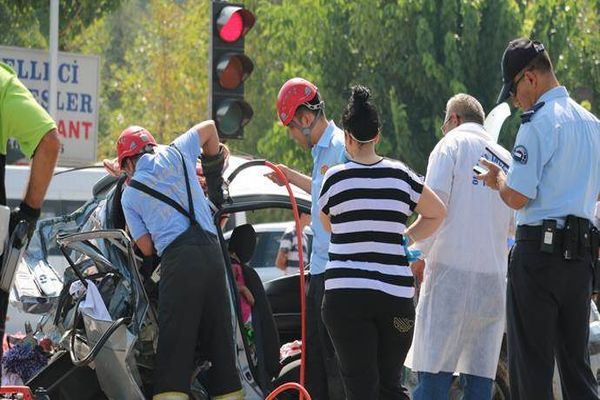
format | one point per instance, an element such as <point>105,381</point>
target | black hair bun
<point>360,116</point>
<point>360,95</point>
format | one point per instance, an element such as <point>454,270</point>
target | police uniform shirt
<point>163,171</point>
<point>328,151</point>
<point>556,160</point>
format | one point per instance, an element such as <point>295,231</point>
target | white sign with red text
<point>77,97</point>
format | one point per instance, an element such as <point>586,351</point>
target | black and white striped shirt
<point>289,245</point>
<point>368,206</point>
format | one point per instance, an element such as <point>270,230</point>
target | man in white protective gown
<point>460,315</point>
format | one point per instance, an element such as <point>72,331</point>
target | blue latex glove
<point>411,255</point>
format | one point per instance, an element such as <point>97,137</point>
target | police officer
<point>23,119</point>
<point>168,215</point>
<point>553,182</point>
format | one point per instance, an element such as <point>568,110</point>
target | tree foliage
<point>26,22</point>
<point>413,54</point>
<point>156,70</point>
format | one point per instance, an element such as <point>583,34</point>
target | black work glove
<point>24,213</point>
<point>149,264</point>
<point>212,168</point>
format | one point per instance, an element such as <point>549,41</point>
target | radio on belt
<point>548,235</point>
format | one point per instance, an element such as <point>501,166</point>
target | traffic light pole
<point>210,60</point>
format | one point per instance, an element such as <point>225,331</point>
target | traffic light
<point>229,68</point>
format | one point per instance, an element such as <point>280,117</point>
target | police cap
<point>517,55</point>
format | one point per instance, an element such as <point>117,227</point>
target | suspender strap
<point>187,184</point>
<point>166,199</point>
<point>159,196</point>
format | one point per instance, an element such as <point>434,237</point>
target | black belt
<point>578,239</point>
<point>527,233</point>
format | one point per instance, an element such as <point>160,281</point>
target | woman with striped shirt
<point>368,307</point>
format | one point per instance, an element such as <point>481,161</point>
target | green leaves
<point>413,54</point>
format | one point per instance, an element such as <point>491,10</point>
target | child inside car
<point>241,249</point>
<point>260,329</point>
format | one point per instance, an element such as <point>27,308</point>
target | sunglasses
<point>515,85</point>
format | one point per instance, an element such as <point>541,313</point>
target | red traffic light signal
<point>233,23</point>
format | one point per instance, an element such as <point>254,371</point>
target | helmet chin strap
<point>306,131</point>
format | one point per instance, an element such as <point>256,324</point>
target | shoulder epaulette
<point>526,116</point>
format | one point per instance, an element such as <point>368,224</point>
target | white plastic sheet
<point>495,119</point>
<point>92,305</point>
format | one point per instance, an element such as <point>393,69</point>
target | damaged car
<point>100,313</point>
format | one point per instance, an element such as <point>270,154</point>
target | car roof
<point>76,184</point>
<point>272,226</point>
<point>252,181</point>
<point>265,227</point>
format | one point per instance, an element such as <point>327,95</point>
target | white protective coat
<point>461,311</point>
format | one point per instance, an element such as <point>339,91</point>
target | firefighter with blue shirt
<point>168,216</point>
<point>300,108</point>
<point>553,184</point>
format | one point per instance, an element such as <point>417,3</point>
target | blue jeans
<point>436,386</point>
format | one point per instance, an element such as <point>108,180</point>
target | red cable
<point>293,385</point>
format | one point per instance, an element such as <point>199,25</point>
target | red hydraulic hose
<point>292,385</point>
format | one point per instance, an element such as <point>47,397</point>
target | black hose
<point>242,167</point>
<point>76,169</point>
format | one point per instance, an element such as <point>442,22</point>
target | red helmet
<point>294,93</point>
<point>133,141</point>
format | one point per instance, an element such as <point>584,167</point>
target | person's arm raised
<point>209,137</point>
<point>213,160</point>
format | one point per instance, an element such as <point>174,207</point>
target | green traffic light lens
<point>229,118</point>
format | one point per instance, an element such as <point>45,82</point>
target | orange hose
<point>292,385</point>
<point>288,386</point>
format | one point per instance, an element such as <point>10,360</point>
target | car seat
<point>243,243</point>
<point>116,218</point>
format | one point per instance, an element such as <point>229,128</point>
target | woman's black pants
<point>371,333</point>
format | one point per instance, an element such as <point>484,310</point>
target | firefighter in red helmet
<point>301,109</point>
<point>169,216</point>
